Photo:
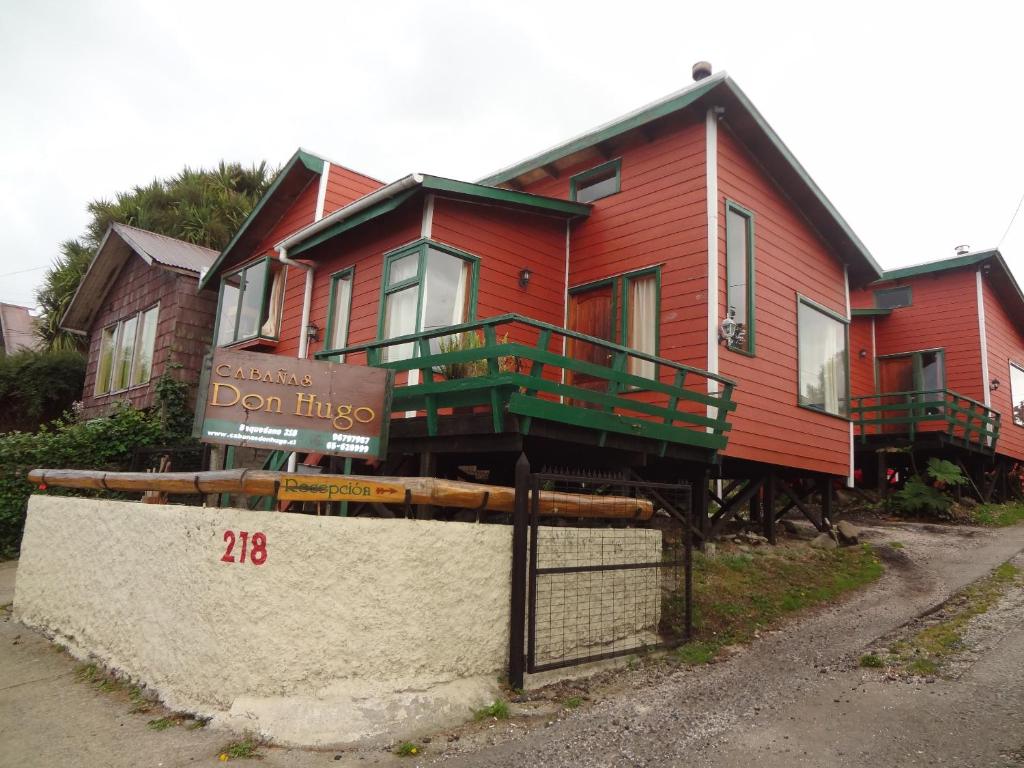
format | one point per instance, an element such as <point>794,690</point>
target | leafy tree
<point>199,206</point>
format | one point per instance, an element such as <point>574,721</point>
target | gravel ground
<point>793,698</point>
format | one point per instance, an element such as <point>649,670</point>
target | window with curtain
<point>426,287</point>
<point>338,312</point>
<point>823,360</point>
<point>623,310</point>
<point>1017,393</point>
<point>126,352</point>
<point>251,303</point>
<point>739,274</point>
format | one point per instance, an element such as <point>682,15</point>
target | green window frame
<point>339,314</point>
<point>892,298</point>
<point>625,288</point>
<point>414,262</point>
<point>739,276</point>
<point>596,183</point>
<point>269,286</point>
<point>809,311</point>
<point>126,352</point>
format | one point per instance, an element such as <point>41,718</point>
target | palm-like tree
<point>199,206</point>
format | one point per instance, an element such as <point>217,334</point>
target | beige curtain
<point>643,323</point>
<point>272,326</point>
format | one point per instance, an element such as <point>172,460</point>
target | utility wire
<point>22,271</point>
<point>1012,219</point>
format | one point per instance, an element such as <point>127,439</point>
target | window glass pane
<point>105,365</point>
<point>143,366</point>
<point>597,187</point>
<point>1017,393</point>
<point>341,298</point>
<point>822,361</point>
<point>399,320</point>
<point>123,354</point>
<point>403,268</point>
<point>444,290</point>
<point>228,310</point>
<point>891,298</point>
<point>251,305</point>
<point>931,371</point>
<point>642,322</point>
<point>737,256</point>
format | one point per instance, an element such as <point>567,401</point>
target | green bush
<point>105,444</point>
<point>37,387</point>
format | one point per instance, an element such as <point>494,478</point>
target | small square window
<point>893,298</point>
<point>602,181</point>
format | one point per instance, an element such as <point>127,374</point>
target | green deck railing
<point>960,419</point>
<point>514,364</point>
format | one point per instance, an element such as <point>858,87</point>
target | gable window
<point>426,286</point>
<point>739,276</point>
<point>602,181</point>
<point>893,298</point>
<point>339,311</point>
<point>126,352</point>
<point>623,310</point>
<point>1017,393</point>
<point>822,359</point>
<point>251,300</point>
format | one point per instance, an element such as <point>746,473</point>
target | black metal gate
<point>603,576</point>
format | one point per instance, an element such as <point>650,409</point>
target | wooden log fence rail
<point>419,490</point>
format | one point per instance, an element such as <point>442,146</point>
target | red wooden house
<point>668,293</point>
<point>937,367</point>
<point>138,304</point>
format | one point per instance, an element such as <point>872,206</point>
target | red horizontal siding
<point>862,369</point>
<point>345,185</point>
<point>1005,342</point>
<point>790,259</point>
<point>944,314</point>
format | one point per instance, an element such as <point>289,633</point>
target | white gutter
<point>983,336</point>
<point>356,206</point>
<point>711,169</point>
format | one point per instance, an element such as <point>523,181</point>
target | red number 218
<point>257,552</point>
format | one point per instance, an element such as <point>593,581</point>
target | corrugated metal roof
<point>18,328</point>
<point>166,250</point>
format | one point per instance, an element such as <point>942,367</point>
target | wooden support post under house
<point>700,503</point>
<point>882,477</point>
<point>428,466</point>
<point>826,502</point>
<point>768,511</point>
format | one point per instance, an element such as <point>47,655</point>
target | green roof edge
<point>870,312</point>
<point>309,161</point>
<point>941,265</point>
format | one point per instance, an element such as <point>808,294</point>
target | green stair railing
<point>961,420</point>
<point>514,364</point>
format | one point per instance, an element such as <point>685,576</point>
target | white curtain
<point>272,325</point>
<point>643,323</point>
<point>399,320</point>
<point>831,370</point>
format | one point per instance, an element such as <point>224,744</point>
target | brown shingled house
<point>139,305</point>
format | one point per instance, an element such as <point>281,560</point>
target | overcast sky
<point>908,115</point>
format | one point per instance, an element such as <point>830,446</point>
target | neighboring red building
<point>139,305</point>
<point>608,236</point>
<point>938,365</point>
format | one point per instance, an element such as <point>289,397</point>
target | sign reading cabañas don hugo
<point>285,404</point>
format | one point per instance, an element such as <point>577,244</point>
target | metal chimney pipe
<point>701,70</point>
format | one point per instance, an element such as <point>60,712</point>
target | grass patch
<point>497,710</point>
<point>573,702</point>
<point>246,749</point>
<point>871,660</point>
<point>162,724</point>
<point>86,673</point>
<point>407,749</point>
<point>736,596</point>
<point>998,515</point>
<point>896,545</point>
<point>924,653</point>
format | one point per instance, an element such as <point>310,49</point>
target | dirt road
<point>794,698</point>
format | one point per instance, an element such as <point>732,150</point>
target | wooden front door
<point>895,374</point>
<point>592,312</point>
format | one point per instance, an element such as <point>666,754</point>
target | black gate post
<point>520,523</point>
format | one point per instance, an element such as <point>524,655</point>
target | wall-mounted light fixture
<point>994,385</point>
<point>862,354</point>
<point>313,332</point>
<point>524,277</point>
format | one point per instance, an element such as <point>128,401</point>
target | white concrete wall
<point>353,628</point>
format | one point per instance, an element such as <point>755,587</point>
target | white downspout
<point>711,171</point>
<point>849,380</point>
<point>307,301</point>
